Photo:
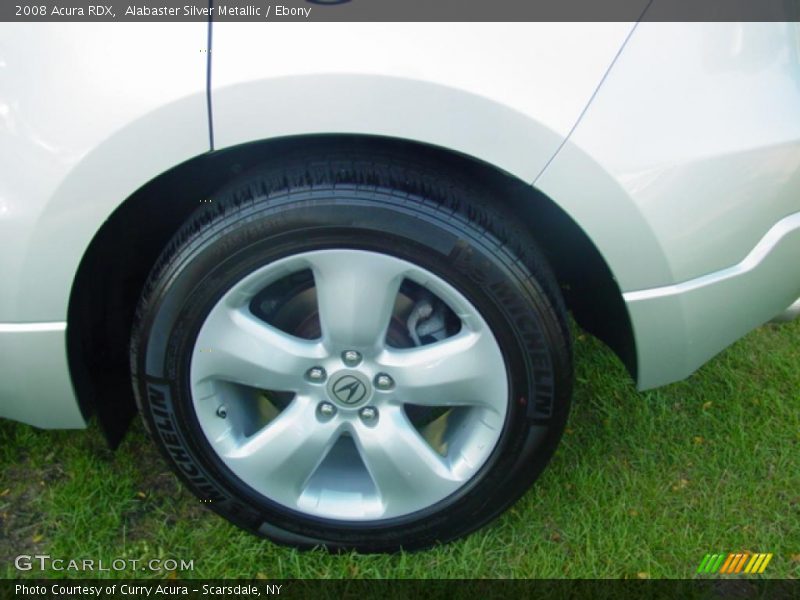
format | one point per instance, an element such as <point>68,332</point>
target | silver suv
<point>332,266</point>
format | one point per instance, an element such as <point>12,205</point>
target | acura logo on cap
<point>349,390</point>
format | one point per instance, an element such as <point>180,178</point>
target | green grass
<point>643,485</point>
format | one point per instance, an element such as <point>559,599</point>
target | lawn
<point>643,485</point>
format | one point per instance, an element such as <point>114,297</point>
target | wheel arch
<point>117,262</point>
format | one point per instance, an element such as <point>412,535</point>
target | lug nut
<point>383,381</point>
<point>351,358</point>
<point>368,414</point>
<point>326,409</point>
<point>316,374</point>
<point>222,412</point>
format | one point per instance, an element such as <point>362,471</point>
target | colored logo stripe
<point>726,566</point>
<point>711,563</point>
<point>735,562</point>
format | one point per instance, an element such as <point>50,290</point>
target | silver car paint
<point>712,249</point>
<point>684,159</point>
<point>35,384</point>
<point>507,93</point>
<point>74,143</point>
<point>698,128</point>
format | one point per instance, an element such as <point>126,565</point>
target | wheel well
<point>113,271</point>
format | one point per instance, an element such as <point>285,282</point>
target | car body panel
<point>706,148</point>
<point>74,144</point>
<point>35,383</point>
<point>505,93</point>
<point>687,180</point>
<point>74,148</point>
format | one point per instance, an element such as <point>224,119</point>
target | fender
<point>505,93</point>
<point>78,142</point>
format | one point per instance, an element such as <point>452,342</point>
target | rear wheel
<point>353,353</point>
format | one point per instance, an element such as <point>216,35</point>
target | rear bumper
<point>35,385</point>
<point>680,327</point>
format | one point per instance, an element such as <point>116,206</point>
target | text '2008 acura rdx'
<point>331,265</point>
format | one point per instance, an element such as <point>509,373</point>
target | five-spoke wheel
<point>344,443</point>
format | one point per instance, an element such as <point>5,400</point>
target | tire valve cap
<point>222,412</point>
<point>368,414</point>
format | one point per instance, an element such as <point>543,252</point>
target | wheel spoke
<point>285,454</point>
<point>404,468</point>
<point>235,346</point>
<point>463,370</point>
<point>356,293</point>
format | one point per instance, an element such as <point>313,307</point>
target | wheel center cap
<point>349,389</point>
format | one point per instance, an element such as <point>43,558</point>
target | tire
<point>354,352</point>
